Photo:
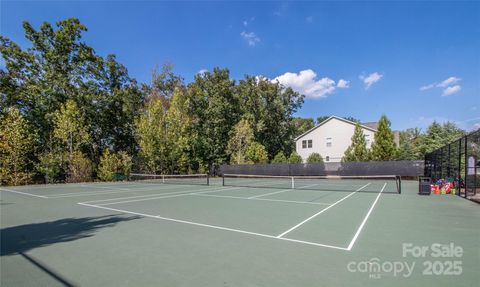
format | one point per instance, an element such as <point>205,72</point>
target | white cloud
<point>245,23</point>
<point>448,86</point>
<point>343,84</point>
<point>448,82</point>
<point>251,38</point>
<point>202,71</point>
<point>451,90</point>
<point>305,82</point>
<point>370,79</point>
<point>427,87</point>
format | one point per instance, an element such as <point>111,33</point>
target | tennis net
<point>374,184</point>
<point>193,179</point>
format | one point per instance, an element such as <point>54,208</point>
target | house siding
<point>340,132</point>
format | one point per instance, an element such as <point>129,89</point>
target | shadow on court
<point>22,238</point>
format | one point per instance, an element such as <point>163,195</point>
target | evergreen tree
<point>383,147</point>
<point>16,142</point>
<point>256,153</point>
<point>280,158</point>
<point>357,151</point>
<point>315,158</point>
<point>294,158</point>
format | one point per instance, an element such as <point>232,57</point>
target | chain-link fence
<point>404,168</point>
<point>460,161</point>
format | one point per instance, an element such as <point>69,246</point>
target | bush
<point>280,158</point>
<point>295,158</point>
<point>114,166</point>
<point>50,166</point>
<point>256,153</point>
<point>314,158</point>
<point>80,168</point>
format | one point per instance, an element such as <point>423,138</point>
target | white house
<point>331,138</point>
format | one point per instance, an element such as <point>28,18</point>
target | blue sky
<point>414,61</point>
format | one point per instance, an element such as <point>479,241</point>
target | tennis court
<point>235,231</point>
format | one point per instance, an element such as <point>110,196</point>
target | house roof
<point>373,125</point>
<point>338,118</point>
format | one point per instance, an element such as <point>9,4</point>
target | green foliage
<point>256,153</point>
<point>280,158</point>
<point>15,146</point>
<point>69,127</point>
<point>357,151</point>
<point>438,135</point>
<point>269,108</point>
<point>113,165</point>
<point>383,147</point>
<point>302,125</point>
<point>240,140</point>
<point>315,158</point>
<point>294,158</point>
<point>49,164</point>
<point>80,168</point>
<point>215,109</point>
<point>410,141</point>
<point>152,139</point>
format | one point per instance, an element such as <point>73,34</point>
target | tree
<point>357,151</point>
<point>294,158</point>
<point>215,110</point>
<point>280,158</point>
<point>152,136</point>
<point>16,142</point>
<point>50,165</point>
<point>269,107</point>
<point>383,147</point>
<point>113,165</point>
<point>240,140</point>
<point>302,125</point>
<point>438,135</point>
<point>315,158</point>
<point>256,153</point>
<point>71,134</point>
<point>410,141</point>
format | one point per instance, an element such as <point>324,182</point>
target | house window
<point>304,144</point>
<point>309,143</point>
<point>329,142</point>
<point>327,158</point>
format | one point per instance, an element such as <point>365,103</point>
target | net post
<point>208,179</point>
<point>223,179</point>
<point>293,183</point>
<point>399,184</point>
<point>163,178</point>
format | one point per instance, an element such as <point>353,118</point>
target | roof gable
<point>337,118</point>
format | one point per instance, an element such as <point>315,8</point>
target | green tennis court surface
<point>144,234</point>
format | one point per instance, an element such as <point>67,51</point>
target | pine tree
<point>357,151</point>
<point>383,148</point>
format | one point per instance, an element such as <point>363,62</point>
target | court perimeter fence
<point>404,168</point>
<point>459,160</point>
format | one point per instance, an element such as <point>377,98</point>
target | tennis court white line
<point>140,196</point>
<point>276,192</point>
<point>350,246</point>
<point>107,187</point>
<point>86,193</point>
<point>321,211</point>
<point>167,196</point>
<point>215,227</point>
<point>264,199</point>
<point>24,193</point>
